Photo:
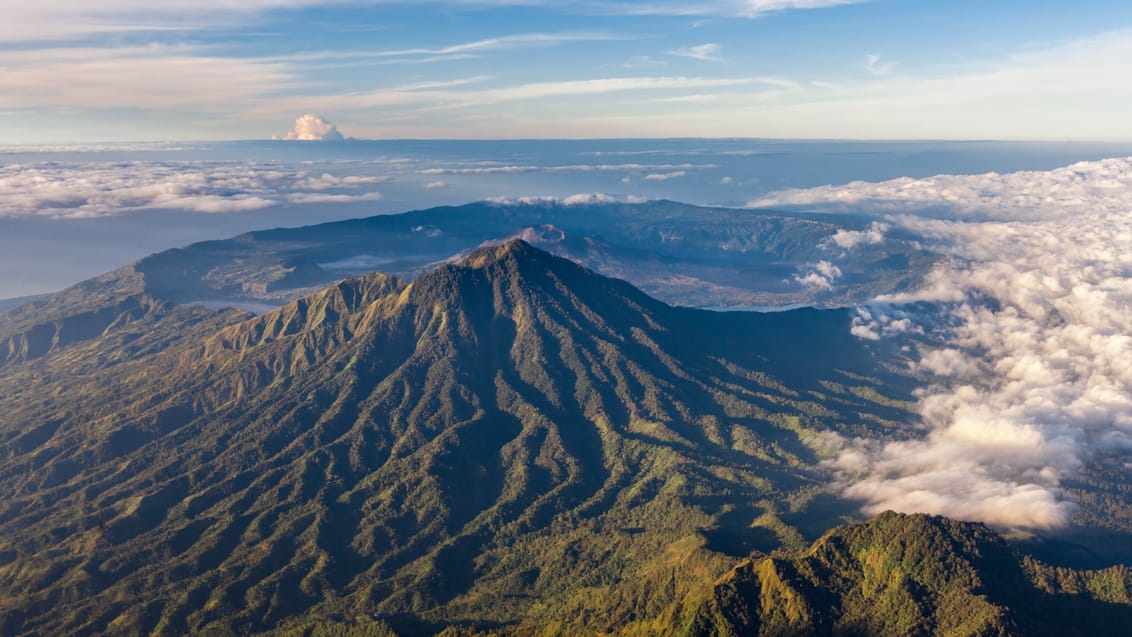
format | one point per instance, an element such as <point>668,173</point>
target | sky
<point>131,70</point>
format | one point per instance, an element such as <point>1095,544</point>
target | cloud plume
<point>1033,371</point>
<point>311,127</point>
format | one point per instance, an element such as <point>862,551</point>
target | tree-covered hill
<point>911,575</point>
<point>510,441</point>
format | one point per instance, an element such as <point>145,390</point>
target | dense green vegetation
<point>507,443</point>
<point>911,575</point>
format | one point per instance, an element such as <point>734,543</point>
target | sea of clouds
<point>95,189</point>
<point>1035,379</point>
<point>84,189</point>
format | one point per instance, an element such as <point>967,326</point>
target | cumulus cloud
<point>873,323</point>
<point>1034,374</point>
<point>820,276</point>
<point>849,239</point>
<point>95,189</point>
<point>311,127</point>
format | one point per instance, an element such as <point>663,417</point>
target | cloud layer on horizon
<point>582,168</point>
<point>97,189</point>
<point>1035,376</point>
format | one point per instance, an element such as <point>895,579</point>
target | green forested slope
<point>911,575</point>
<point>510,441</point>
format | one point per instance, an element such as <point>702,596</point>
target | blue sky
<point>123,70</point>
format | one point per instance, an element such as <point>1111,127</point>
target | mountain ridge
<point>503,440</point>
<point>686,255</point>
<point>902,574</point>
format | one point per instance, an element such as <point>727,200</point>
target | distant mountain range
<point>7,304</point>
<point>680,254</point>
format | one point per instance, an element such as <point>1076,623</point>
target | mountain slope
<point>113,307</point>
<point>912,575</point>
<point>508,439</point>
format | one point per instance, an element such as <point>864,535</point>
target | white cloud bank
<point>849,239</point>
<point>311,127</point>
<point>96,189</point>
<point>1036,377</point>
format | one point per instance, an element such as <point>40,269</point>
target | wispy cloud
<point>73,19</point>
<point>427,86</point>
<point>506,170</point>
<point>709,52</point>
<point>503,43</point>
<point>688,99</point>
<point>154,76</point>
<point>580,199</point>
<point>1036,94</point>
<point>596,87</point>
<point>664,176</point>
<point>446,96</point>
<point>640,61</point>
<point>875,66</point>
<point>322,197</point>
<point>458,51</point>
<point>720,8</point>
